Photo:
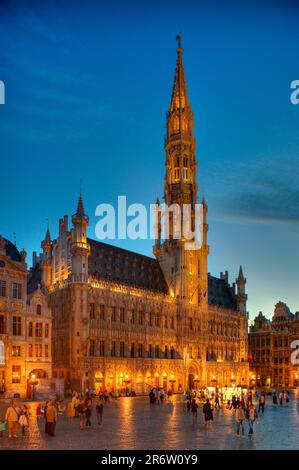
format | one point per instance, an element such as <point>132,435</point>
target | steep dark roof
<point>221,293</point>
<point>116,264</point>
<point>34,278</point>
<point>11,251</point>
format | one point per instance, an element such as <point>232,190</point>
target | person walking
<point>12,419</point>
<point>45,416</point>
<point>99,412</point>
<point>51,419</point>
<point>240,416</point>
<point>281,395</point>
<point>274,398</point>
<point>261,403</point>
<point>194,407</point>
<point>81,413</point>
<point>286,397</point>
<point>88,410</point>
<point>252,416</point>
<point>208,412</point>
<point>217,403</point>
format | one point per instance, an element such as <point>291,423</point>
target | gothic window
<point>176,124</point>
<point>102,312</point>
<point>38,309</point>
<point>92,347</point>
<point>166,352</point>
<point>102,348</point>
<point>30,329</point>
<point>47,330</point>
<point>122,349</point>
<point>122,315</point>
<point>113,314</point>
<point>92,311</point>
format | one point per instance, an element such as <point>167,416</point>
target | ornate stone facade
<point>270,349</point>
<point>25,327</point>
<point>122,320</point>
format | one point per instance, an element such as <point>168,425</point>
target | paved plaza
<point>132,423</point>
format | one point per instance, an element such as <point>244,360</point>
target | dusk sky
<point>87,89</point>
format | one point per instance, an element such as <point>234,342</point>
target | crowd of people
<point>242,405</point>
<point>81,407</point>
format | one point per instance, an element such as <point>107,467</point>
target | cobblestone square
<point>132,423</point>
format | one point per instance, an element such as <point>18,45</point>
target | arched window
<point>38,309</point>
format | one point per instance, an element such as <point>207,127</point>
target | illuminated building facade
<point>25,328</point>
<point>122,320</point>
<point>270,349</point>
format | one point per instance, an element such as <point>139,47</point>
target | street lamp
<point>33,383</point>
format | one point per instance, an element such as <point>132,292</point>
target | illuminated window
<point>39,330</point>
<point>16,351</point>
<point>16,374</point>
<point>38,350</point>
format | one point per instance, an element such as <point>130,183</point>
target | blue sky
<point>87,88</point>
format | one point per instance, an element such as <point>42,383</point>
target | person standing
<point>81,413</point>
<point>99,412</point>
<point>208,412</point>
<point>252,416</point>
<point>217,403</point>
<point>274,398</point>
<point>23,419</point>
<point>240,415</point>
<point>281,398</point>
<point>51,419</point>
<point>12,418</point>
<point>70,411</point>
<point>286,397</point>
<point>262,403</point>
<point>194,407</point>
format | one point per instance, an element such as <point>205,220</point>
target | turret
<point>241,294</point>
<point>80,249</point>
<point>46,259</point>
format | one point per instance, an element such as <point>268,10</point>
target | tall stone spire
<point>180,180</point>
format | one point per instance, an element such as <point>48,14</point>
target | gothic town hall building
<point>122,320</point>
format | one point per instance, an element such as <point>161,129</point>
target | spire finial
<point>179,40</point>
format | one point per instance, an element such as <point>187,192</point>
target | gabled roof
<point>119,265</point>
<point>221,293</point>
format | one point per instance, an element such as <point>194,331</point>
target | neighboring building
<point>122,320</point>
<point>19,359</point>
<point>270,346</point>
